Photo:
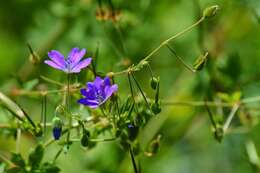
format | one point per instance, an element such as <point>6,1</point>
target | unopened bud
<point>57,128</point>
<point>210,11</point>
<point>156,108</point>
<point>200,62</point>
<point>85,138</point>
<point>154,82</point>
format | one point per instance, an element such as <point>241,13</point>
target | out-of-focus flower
<point>96,93</point>
<point>72,64</point>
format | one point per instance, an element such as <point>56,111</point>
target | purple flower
<point>72,64</point>
<point>96,93</point>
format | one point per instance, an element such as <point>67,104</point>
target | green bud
<point>154,82</point>
<point>60,110</point>
<point>38,130</point>
<point>85,138</point>
<point>57,122</point>
<point>200,62</point>
<point>156,108</point>
<point>219,133</point>
<point>210,11</point>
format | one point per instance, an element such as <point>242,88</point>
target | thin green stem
<point>211,116</point>
<point>140,89</point>
<point>51,80</point>
<point>180,59</point>
<point>164,43</point>
<point>230,117</point>
<point>195,103</point>
<point>133,159</point>
<point>6,160</point>
<point>68,106</point>
<point>57,154</point>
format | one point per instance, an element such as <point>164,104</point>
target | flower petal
<point>82,64</point>
<point>109,91</point>
<point>57,57</point>
<point>53,64</point>
<point>98,82</point>
<point>91,103</point>
<point>107,81</point>
<point>83,91</point>
<point>76,55</point>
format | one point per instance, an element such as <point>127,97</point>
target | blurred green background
<point>232,39</point>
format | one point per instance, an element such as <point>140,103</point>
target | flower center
<point>99,96</point>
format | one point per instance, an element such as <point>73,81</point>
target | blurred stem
<point>68,106</point>
<point>230,117</point>
<point>51,80</point>
<point>18,138</point>
<point>133,159</point>
<point>140,89</point>
<point>6,160</point>
<point>196,103</point>
<point>57,154</point>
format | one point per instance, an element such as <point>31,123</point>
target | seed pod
<point>219,133</point>
<point>85,138</point>
<point>57,128</point>
<point>210,11</point>
<point>200,62</point>
<point>38,130</point>
<point>156,108</point>
<point>154,82</point>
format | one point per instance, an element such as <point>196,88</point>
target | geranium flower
<point>96,93</point>
<point>72,64</point>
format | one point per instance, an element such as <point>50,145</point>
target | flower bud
<point>85,138</point>
<point>154,82</point>
<point>200,62</point>
<point>38,130</point>
<point>57,128</point>
<point>218,133</point>
<point>132,131</point>
<point>156,108</point>
<point>34,58</point>
<point>210,11</point>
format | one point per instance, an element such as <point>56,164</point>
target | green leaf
<point>35,156</point>
<point>15,170</point>
<point>18,160</point>
<point>49,168</point>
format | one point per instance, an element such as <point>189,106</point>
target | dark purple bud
<point>57,128</point>
<point>56,131</point>
<point>132,131</point>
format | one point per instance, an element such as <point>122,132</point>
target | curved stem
<point>161,45</point>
